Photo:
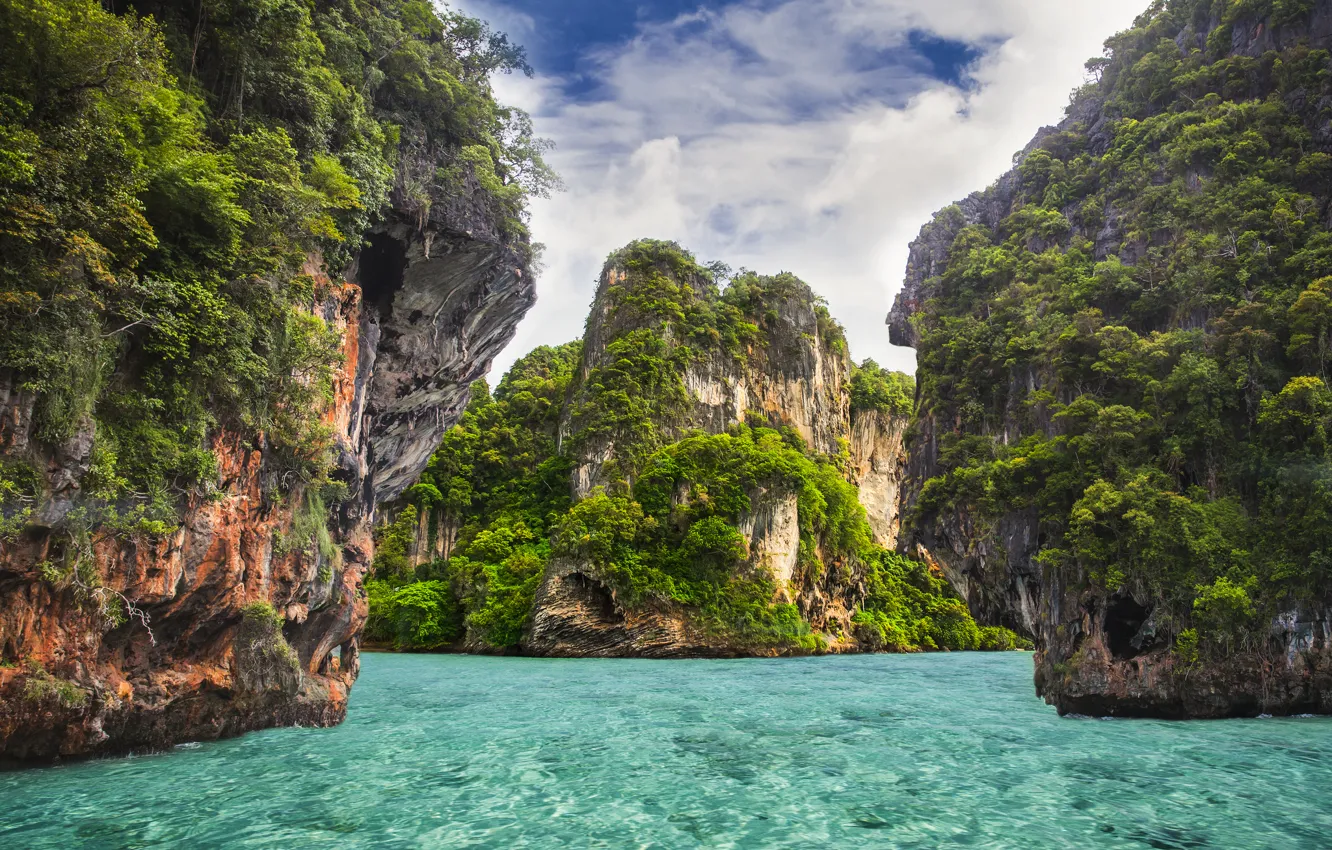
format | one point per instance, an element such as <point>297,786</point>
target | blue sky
<point>811,136</point>
<point>567,32</point>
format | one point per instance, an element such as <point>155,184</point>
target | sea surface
<point>868,751</point>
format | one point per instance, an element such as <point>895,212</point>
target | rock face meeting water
<point>209,384</point>
<point>177,676</point>
<point>1120,445</point>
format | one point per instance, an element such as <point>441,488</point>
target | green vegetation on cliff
<point>1152,320</point>
<point>666,531</point>
<point>676,537</point>
<point>491,494</point>
<point>665,313</point>
<point>167,168</point>
<point>875,388</point>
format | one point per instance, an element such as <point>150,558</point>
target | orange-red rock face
<point>147,685</point>
<point>73,684</point>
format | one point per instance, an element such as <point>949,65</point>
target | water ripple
<point>865,752</point>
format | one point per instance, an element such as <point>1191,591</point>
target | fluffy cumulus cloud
<point>811,136</point>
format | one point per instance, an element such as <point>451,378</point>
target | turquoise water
<point>872,751</point>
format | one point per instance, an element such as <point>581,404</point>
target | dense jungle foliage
<point>167,167</point>
<point>875,388</point>
<point>1140,351</point>
<point>665,529</point>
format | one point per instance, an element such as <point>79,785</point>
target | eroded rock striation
<point>421,313</point>
<point>1114,340</point>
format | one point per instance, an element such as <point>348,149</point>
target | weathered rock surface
<point>1103,658</point>
<point>795,380</point>
<point>423,311</point>
<point>798,379</point>
<point>1097,654</point>
<point>577,616</point>
<point>772,533</point>
<point>444,307</point>
<point>878,464</point>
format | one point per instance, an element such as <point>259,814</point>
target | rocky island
<point>1120,446</point>
<point>706,473</point>
<point>258,258</point>
<point>250,270</point>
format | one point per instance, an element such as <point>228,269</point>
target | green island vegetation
<point>41,687</point>
<point>167,170</point>
<point>263,657</point>
<point>875,388</point>
<point>664,530</point>
<point>1171,387</point>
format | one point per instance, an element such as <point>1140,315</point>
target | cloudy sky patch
<point>810,136</point>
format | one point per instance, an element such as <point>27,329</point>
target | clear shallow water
<point>871,751</point>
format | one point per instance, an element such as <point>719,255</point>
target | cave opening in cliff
<point>1123,621</point>
<point>380,270</point>
<point>594,595</point>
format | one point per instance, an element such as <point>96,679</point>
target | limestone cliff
<point>421,313</point>
<point>796,378</point>
<point>878,460</point>
<point>1003,392</point>
<point>704,474</point>
<point>251,262</point>
<point>793,372</point>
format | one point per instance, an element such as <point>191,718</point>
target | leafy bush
<point>424,616</point>
<point>875,388</point>
<point>908,609</point>
<point>394,543</point>
<point>264,659</point>
<point>510,586</point>
<point>40,686</point>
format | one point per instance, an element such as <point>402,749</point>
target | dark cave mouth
<point>380,270</point>
<point>1124,620</point>
<point>595,596</point>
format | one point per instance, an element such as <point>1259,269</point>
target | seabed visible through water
<point>858,751</point>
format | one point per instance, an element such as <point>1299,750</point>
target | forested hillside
<point>1124,350</point>
<point>633,462</point>
<point>225,230</point>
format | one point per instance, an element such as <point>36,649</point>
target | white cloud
<point>764,136</point>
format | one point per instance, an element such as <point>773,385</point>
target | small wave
<point>1264,717</point>
<point>1076,716</point>
<point>191,745</point>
